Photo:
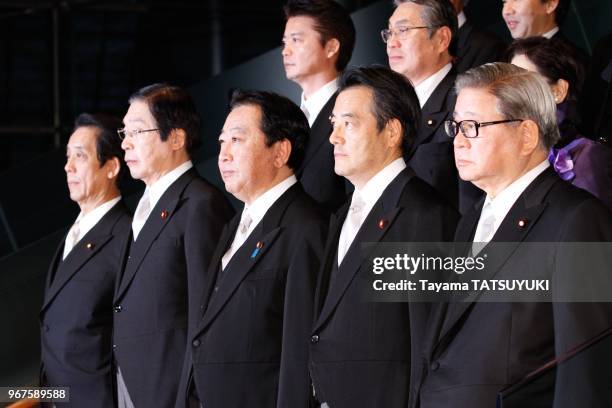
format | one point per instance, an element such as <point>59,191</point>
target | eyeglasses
<point>469,128</point>
<point>400,32</point>
<point>123,133</point>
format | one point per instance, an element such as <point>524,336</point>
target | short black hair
<point>280,119</point>
<point>561,11</point>
<point>332,20</point>
<point>108,143</point>
<point>172,108</point>
<point>437,14</point>
<point>394,98</point>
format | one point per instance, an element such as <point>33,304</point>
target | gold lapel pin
<point>89,245</point>
<point>431,122</point>
<point>164,215</point>
<point>523,222</point>
<point>259,244</point>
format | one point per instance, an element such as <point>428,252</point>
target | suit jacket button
<point>314,339</point>
<point>434,366</point>
<point>114,346</point>
<point>216,288</point>
<point>196,343</point>
<point>117,309</point>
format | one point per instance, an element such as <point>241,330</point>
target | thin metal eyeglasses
<point>469,128</point>
<point>400,32</point>
<point>132,133</point>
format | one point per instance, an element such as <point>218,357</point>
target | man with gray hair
<point>421,41</point>
<point>502,128</point>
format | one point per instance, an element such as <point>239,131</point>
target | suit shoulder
<point>418,192</point>
<point>304,208</point>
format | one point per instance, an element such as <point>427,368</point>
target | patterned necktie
<point>142,213</point>
<point>352,224</point>
<point>241,236</point>
<point>72,238</point>
<point>486,228</point>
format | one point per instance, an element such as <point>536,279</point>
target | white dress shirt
<point>503,202</point>
<point>256,211</point>
<point>428,86</point>
<point>549,34</point>
<point>88,221</point>
<point>370,193</point>
<point>153,193</point>
<point>313,105</point>
<point>461,19</point>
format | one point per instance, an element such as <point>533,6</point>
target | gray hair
<point>436,14</point>
<point>520,94</point>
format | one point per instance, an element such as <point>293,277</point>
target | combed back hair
<point>280,119</point>
<point>553,59</point>
<point>108,143</point>
<point>436,14</point>
<point>332,20</point>
<point>520,94</point>
<point>172,108</point>
<point>394,97</point>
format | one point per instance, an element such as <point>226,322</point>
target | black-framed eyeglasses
<point>400,32</point>
<point>123,133</point>
<point>469,128</point>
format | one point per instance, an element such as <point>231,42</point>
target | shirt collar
<point>157,189</point>
<point>262,204</point>
<point>428,86</point>
<point>374,188</point>
<point>317,100</point>
<point>461,19</point>
<point>549,34</point>
<point>89,220</point>
<point>504,201</point>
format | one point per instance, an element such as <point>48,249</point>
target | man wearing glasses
<point>421,41</point>
<point>175,229</point>
<point>504,125</point>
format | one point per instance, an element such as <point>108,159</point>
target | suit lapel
<point>527,208</point>
<point>248,255</point>
<point>83,251</point>
<point>319,133</point>
<point>154,225</point>
<point>434,112</point>
<point>384,213</point>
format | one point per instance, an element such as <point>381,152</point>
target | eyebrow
<point>233,129</point>
<point>343,115</point>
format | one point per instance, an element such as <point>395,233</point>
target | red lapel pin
<point>89,245</point>
<point>523,222</point>
<point>259,244</point>
<point>382,223</point>
<point>164,215</point>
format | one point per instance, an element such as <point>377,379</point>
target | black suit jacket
<point>473,350</point>
<point>167,261</point>
<point>316,174</point>
<point>597,98</point>
<point>76,316</point>
<point>250,346</point>
<point>476,47</point>
<point>431,155</point>
<point>360,351</point>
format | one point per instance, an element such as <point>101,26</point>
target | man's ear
<point>443,37</point>
<point>282,153</point>
<point>177,139</point>
<point>112,167</point>
<point>394,133</point>
<point>530,137</point>
<point>332,47</point>
<point>551,6</point>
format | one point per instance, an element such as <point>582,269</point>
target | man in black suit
<point>176,226</point>
<point>474,46</point>
<point>533,18</point>
<point>317,45</point>
<point>597,106</point>
<point>360,351</point>
<point>421,42</point>
<point>504,125</point>
<point>248,347</point>
<point>76,317</point>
